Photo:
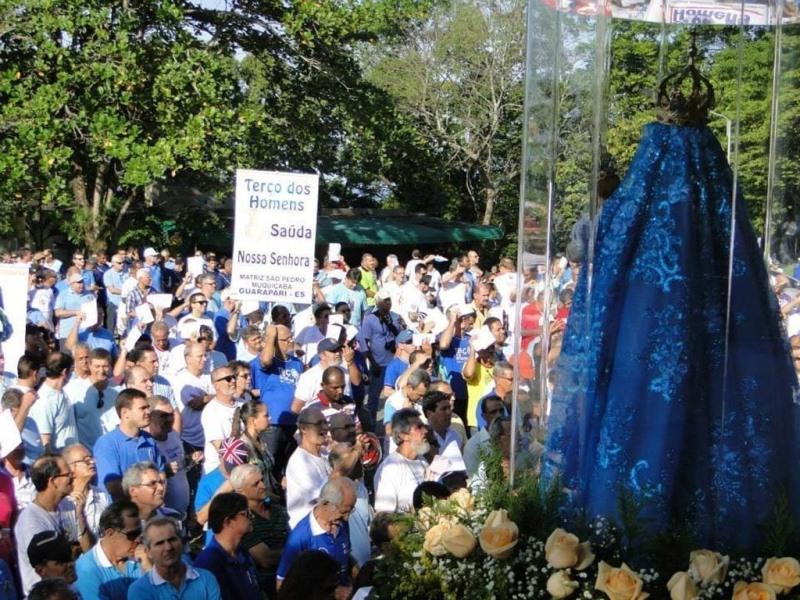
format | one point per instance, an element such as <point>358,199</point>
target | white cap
<point>465,310</point>
<point>150,252</point>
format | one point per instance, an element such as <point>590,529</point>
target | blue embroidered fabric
<point>648,396</point>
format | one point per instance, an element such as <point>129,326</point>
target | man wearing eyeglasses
<point>325,528</point>
<point>198,315</point>
<point>108,569</point>
<point>217,417</point>
<point>53,481</point>
<point>234,569</point>
<point>146,487</point>
<point>87,500</point>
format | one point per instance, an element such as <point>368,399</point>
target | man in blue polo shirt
<point>127,444</point>
<point>235,571</point>
<point>325,528</point>
<point>275,373</point>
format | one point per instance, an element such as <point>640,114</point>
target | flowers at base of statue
<point>781,574</point>
<point>448,538</point>
<point>681,587</point>
<point>706,566</point>
<point>753,591</point>
<point>434,539</point>
<point>499,534</point>
<point>563,550</point>
<point>459,541</point>
<point>463,498</point>
<point>560,585</point>
<point>619,583</point>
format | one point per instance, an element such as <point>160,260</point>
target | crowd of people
<point>161,439</point>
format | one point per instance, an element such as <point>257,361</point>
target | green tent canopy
<point>398,229</point>
<point>372,228</point>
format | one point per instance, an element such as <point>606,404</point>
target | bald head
<point>140,379</point>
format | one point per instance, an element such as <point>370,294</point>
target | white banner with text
<point>274,236</point>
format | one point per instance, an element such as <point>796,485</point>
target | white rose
<point>708,566</point>
<point>559,585</point>
<point>681,587</point>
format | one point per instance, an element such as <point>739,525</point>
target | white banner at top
<point>685,12</point>
<point>274,236</point>
<point>14,304</point>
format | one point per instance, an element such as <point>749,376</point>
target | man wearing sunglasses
<point>198,314</point>
<point>217,416</point>
<point>94,409</point>
<point>53,481</point>
<point>109,566</point>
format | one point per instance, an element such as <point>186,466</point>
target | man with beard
<point>170,576</point>
<point>404,469</point>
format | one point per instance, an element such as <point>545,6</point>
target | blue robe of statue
<point>652,395</point>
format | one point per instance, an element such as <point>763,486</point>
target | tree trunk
<point>491,198</point>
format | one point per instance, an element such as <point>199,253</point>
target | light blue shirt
<point>355,298</point>
<point>112,278</point>
<point>98,579</point>
<point>69,300</point>
<point>198,584</point>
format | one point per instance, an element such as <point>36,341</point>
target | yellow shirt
<point>477,388</point>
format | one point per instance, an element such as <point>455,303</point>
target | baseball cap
<point>383,294</point>
<point>75,278</point>
<point>329,345</point>
<point>150,252</point>
<point>49,545</point>
<point>464,310</point>
<point>405,336</point>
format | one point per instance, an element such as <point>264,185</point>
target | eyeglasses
<point>247,513</point>
<point>200,302</point>
<point>67,475</point>
<point>153,484</point>
<point>227,378</point>
<point>87,460</point>
<point>321,423</point>
<point>100,402</point>
<point>132,535</point>
<point>202,339</point>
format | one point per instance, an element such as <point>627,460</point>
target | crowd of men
<point>161,439</point>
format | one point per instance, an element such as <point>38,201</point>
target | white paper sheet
<point>194,265</point>
<point>144,314</point>
<point>334,252</point>
<point>89,309</point>
<point>160,300</point>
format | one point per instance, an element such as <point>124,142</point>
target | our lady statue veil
<point>675,381</point>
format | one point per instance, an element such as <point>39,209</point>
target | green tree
<point>458,78</point>
<point>98,100</point>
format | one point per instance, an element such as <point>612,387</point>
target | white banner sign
<point>274,236</point>
<point>13,302</point>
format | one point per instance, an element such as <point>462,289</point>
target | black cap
<point>49,545</point>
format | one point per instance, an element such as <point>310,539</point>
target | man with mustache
<point>404,469</point>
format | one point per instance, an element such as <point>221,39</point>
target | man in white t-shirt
<point>307,470</point>
<point>217,418</point>
<point>193,390</point>
<point>53,480</point>
<point>404,469</point>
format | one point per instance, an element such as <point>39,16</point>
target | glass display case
<point>659,258</point>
